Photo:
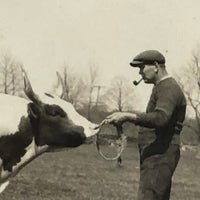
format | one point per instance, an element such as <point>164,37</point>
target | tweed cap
<point>148,57</point>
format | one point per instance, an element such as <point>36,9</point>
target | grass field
<point>81,174</point>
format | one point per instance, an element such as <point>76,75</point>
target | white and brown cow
<point>31,127</point>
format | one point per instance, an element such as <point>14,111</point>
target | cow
<point>33,126</point>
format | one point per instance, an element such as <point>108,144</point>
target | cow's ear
<point>33,111</point>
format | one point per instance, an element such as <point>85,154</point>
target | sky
<point>45,34</point>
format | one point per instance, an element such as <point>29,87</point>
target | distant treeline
<point>94,101</point>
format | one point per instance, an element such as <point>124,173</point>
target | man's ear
<point>156,66</point>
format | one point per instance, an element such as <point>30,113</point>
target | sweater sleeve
<point>152,120</point>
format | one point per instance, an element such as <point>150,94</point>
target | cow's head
<point>55,122</point>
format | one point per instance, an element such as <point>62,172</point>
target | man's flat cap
<point>148,57</point>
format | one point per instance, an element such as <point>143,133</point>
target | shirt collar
<point>163,78</point>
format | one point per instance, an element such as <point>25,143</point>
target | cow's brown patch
<point>13,146</point>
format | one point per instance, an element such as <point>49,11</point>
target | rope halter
<point>119,144</point>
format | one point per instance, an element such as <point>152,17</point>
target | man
<point>160,127</point>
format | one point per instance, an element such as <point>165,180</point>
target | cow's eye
<point>54,110</point>
<point>49,95</point>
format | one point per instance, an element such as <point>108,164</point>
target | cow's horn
<point>60,82</point>
<point>28,88</point>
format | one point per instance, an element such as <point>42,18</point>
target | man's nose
<point>141,71</point>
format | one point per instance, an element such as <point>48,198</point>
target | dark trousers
<point>156,171</point>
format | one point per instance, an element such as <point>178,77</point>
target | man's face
<point>148,73</point>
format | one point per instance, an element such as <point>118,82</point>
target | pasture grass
<point>81,174</point>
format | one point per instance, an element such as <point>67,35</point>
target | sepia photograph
<point>99,100</point>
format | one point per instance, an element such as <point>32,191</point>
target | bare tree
<point>93,75</point>
<point>16,79</point>
<point>190,83</point>
<point>11,77</point>
<point>120,95</point>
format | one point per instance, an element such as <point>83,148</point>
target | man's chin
<point>147,81</point>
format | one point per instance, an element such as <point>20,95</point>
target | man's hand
<point>119,118</point>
